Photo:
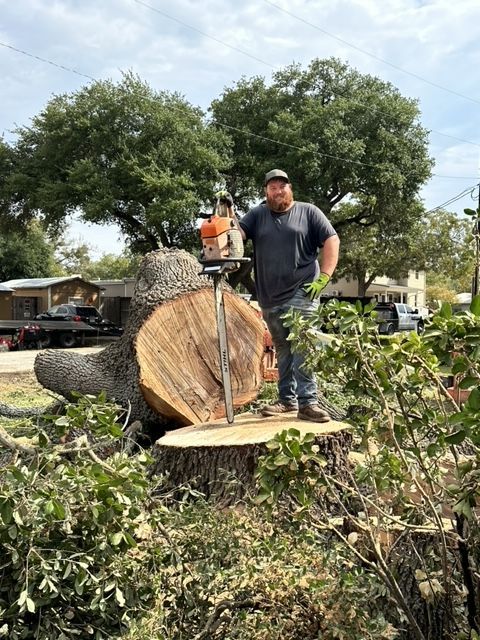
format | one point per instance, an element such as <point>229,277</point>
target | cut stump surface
<point>219,459</point>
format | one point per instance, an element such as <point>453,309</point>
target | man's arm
<point>327,267</point>
<point>330,255</point>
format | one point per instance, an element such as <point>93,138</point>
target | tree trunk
<point>219,460</point>
<point>166,365</point>
<point>435,619</point>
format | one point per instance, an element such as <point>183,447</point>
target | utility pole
<point>476,232</point>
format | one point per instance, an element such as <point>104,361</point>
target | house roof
<point>38,283</point>
<point>5,288</point>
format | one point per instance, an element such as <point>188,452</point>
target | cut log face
<point>178,356</point>
<point>172,310</point>
<point>219,460</point>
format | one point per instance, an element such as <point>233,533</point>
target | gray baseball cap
<point>276,173</point>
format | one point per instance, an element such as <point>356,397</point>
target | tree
<point>26,254</point>
<point>437,294</point>
<point>373,250</point>
<point>118,153</point>
<point>439,243</point>
<point>111,266</point>
<point>340,135</point>
<point>445,248</point>
<point>72,257</point>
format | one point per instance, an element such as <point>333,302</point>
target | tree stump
<point>219,459</point>
<point>166,365</point>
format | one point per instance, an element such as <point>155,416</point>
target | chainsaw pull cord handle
<point>224,205</point>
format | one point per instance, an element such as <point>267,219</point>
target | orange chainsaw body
<point>217,234</point>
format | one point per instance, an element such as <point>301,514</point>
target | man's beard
<point>280,202</point>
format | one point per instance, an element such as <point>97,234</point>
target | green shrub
<point>89,548</point>
<point>74,561</point>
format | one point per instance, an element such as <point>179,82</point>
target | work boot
<point>277,409</point>
<point>313,413</point>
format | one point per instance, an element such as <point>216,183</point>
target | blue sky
<point>175,47</point>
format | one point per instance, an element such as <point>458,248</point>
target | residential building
<point>22,299</point>
<point>115,299</point>
<point>409,290</point>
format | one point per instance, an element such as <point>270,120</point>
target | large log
<point>166,365</point>
<point>219,460</point>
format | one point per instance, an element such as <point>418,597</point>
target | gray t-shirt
<point>285,249</point>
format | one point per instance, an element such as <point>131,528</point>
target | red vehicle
<point>29,336</point>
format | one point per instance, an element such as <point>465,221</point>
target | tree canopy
<point>446,250</point>
<point>117,153</point>
<point>439,243</point>
<point>26,253</point>
<point>339,134</point>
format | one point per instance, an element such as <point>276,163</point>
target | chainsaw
<point>222,253</point>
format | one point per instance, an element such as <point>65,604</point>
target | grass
<point>22,391</point>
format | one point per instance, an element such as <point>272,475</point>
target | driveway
<point>22,361</point>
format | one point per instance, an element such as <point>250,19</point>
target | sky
<point>428,49</point>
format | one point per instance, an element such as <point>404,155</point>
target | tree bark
<point>435,619</point>
<point>219,460</point>
<point>165,367</point>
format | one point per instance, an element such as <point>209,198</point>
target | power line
<point>250,133</point>
<point>453,199</point>
<point>293,146</point>
<point>64,68</point>
<point>54,64</point>
<point>372,55</point>
<point>438,175</point>
<point>447,135</point>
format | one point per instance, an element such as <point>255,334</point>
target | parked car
<point>396,316</point>
<point>81,313</point>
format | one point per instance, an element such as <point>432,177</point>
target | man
<point>286,237</point>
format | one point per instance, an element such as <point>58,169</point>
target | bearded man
<point>287,236</point>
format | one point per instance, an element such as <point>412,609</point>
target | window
<point>417,275</point>
<point>74,300</point>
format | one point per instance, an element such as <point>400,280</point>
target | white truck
<point>398,316</point>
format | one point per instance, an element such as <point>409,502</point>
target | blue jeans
<point>296,386</point>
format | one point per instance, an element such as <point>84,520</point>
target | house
<point>409,290</point>
<point>115,299</point>
<point>5,302</point>
<point>22,299</point>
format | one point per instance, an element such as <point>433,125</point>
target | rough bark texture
<point>164,276</point>
<point>219,460</point>
<point>435,619</point>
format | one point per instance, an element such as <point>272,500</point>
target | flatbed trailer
<point>65,333</point>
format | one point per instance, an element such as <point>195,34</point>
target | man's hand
<point>313,289</point>
<point>225,198</point>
